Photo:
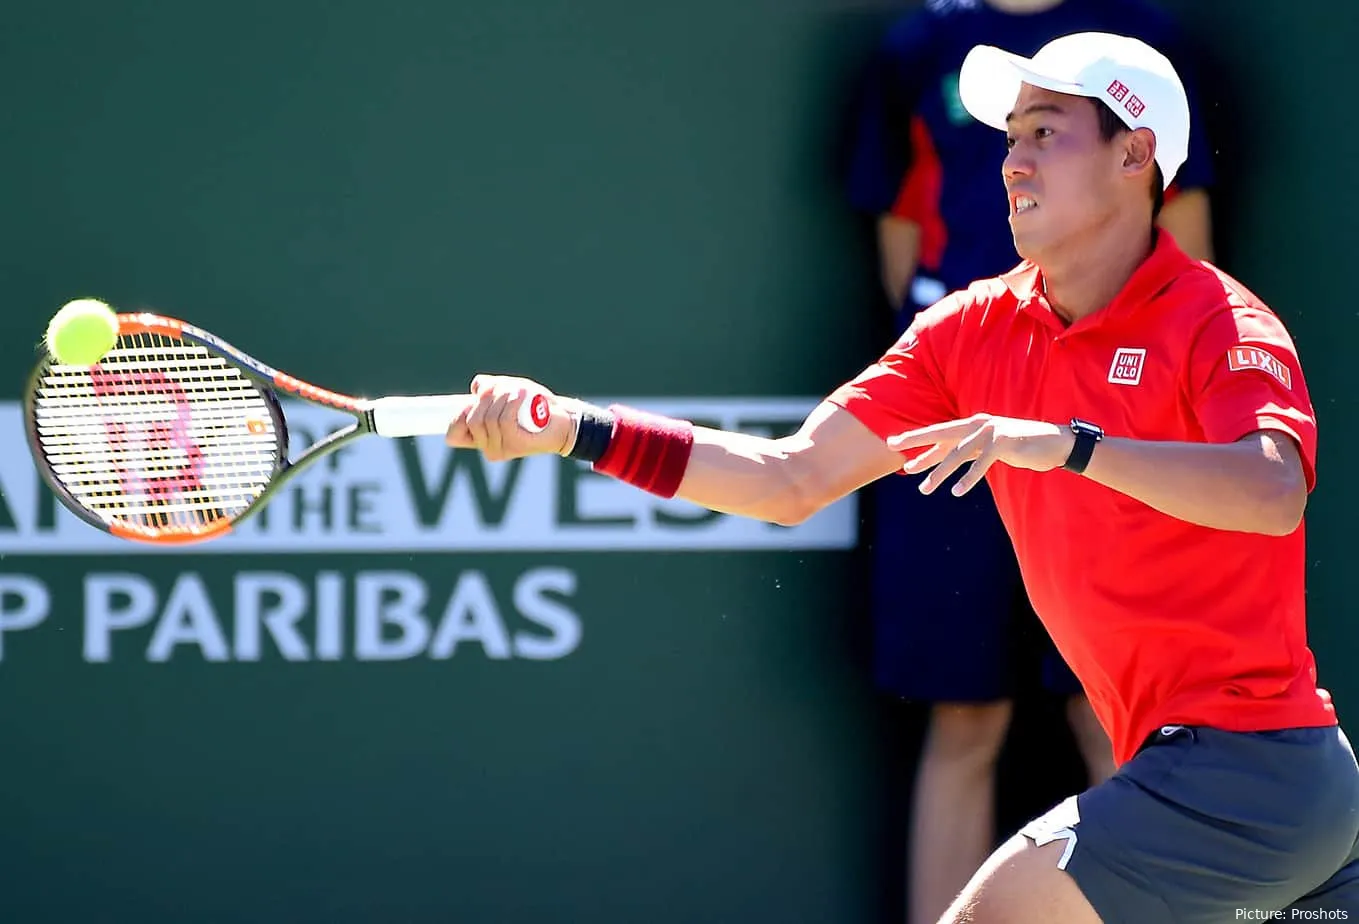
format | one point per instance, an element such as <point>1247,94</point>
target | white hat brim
<point>990,79</point>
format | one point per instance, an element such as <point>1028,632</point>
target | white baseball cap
<point>1134,79</point>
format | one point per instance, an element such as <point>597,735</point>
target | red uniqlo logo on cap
<point>1135,106</point>
<point>1117,91</point>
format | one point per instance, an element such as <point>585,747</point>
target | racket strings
<point>161,434</point>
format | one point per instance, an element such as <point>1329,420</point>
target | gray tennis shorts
<point>1205,826</point>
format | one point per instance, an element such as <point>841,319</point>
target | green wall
<point>505,713</point>
<point>620,199</point>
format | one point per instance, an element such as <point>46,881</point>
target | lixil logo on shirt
<point>1126,368</point>
<point>1245,357</point>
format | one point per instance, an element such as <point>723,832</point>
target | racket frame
<point>270,382</point>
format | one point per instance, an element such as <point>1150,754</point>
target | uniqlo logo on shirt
<point>1127,366</point>
<point>1117,91</point>
<point>1242,357</point>
<point>1135,106</point>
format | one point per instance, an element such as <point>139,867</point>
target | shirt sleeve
<point>906,388</point>
<point>1245,375</point>
<point>880,149</point>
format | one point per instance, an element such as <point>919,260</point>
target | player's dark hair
<point>1110,127</point>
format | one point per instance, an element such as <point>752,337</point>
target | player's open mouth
<point>1023,204</point>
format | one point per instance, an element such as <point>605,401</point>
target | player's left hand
<point>984,440</point>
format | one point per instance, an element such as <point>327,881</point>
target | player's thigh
<point>1337,899</point>
<point>1203,825</point>
<point>943,591</point>
<point>1022,883</point>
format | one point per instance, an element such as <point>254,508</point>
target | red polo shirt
<point>1163,621</point>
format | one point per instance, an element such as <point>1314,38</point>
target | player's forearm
<point>1246,486</point>
<point>782,481</point>
<point>899,255</point>
<point>1188,218</point>
<point>749,476</point>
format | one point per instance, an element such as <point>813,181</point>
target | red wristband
<point>647,451</point>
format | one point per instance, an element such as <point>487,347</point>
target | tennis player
<point>1144,424</point>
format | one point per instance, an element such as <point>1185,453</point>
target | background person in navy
<point>926,172</point>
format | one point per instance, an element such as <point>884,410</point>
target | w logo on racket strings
<point>150,449</point>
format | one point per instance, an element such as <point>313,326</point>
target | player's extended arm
<point>1255,485</point>
<point>782,480</point>
<point>785,480</point>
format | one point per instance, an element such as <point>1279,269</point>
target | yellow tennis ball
<point>82,332</point>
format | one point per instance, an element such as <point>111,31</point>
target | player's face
<point>1061,176</point>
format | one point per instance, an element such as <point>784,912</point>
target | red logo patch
<point>1117,91</point>
<point>1244,357</point>
<point>538,411</point>
<point>1127,366</point>
<point>1135,106</point>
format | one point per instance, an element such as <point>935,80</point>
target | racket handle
<point>430,415</point>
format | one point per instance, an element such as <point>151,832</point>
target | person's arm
<point>898,256</point>
<point>839,448</point>
<point>881,151</point>
<point>782,481</point>
<point>1187,212</point>
<point>1252,471</point>
<point>786,480</point>
<point>1188,218</point>
<point>1257,484</point>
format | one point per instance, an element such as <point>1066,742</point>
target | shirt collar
<point>1152,275</point>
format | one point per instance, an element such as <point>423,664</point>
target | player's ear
<point>1139,151</point>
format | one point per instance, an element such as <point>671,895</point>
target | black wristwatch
<point>1087,435</point>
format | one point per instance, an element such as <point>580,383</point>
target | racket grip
<point>430,415</point>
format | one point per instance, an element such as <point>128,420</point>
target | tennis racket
<point>176,436</point>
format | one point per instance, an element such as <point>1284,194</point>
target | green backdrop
<point>621,199</point>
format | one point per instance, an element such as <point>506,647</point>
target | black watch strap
<point>1087,435</point>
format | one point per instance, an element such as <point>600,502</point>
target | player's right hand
<point>491,421</point>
